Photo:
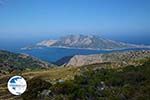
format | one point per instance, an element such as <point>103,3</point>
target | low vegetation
<point>13,62</point>
<point>99,81</point>
<point>129,83</point>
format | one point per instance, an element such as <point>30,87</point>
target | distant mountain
<point>11,61</point>
<point>126,57</point>
<point>86,42</point>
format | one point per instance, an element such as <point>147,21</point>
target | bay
<point>54,54</point>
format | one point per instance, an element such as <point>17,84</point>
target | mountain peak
<point>83,41</point>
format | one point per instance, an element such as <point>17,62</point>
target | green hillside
<point>10,62</point>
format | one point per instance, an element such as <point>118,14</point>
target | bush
<point>131,83</point>
<point>35,87</point>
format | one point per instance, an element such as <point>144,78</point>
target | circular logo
<point>17,85</point>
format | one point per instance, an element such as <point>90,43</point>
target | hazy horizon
<point>29,21</point>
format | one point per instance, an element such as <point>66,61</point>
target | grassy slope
<point>52,75</point>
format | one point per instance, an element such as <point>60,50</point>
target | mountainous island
<point>85,42</point>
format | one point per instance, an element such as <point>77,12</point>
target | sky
<point>44,18</point>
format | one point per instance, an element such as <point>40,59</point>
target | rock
<point>80,60</point>
<point>45,92</point>
<point>117,57</point>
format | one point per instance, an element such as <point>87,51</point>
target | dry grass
<point>51,75</point>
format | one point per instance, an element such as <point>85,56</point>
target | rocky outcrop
<point>123,57</point>
<point>47,43</point>
<point>80,60</point>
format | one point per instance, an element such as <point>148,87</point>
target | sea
<point>51,54</point>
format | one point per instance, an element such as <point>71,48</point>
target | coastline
<point>64,47</point>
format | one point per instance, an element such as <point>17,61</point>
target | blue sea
<point>47,54</point>
<point>54,54</point>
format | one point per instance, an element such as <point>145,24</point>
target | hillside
<point>126,57</point>
<point>127,83</point>
<point>86,42</point>
<point>11,61</point>
<point>36,78</point>
<point>66,83</point>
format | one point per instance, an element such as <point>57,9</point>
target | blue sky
<point>29,18</point>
